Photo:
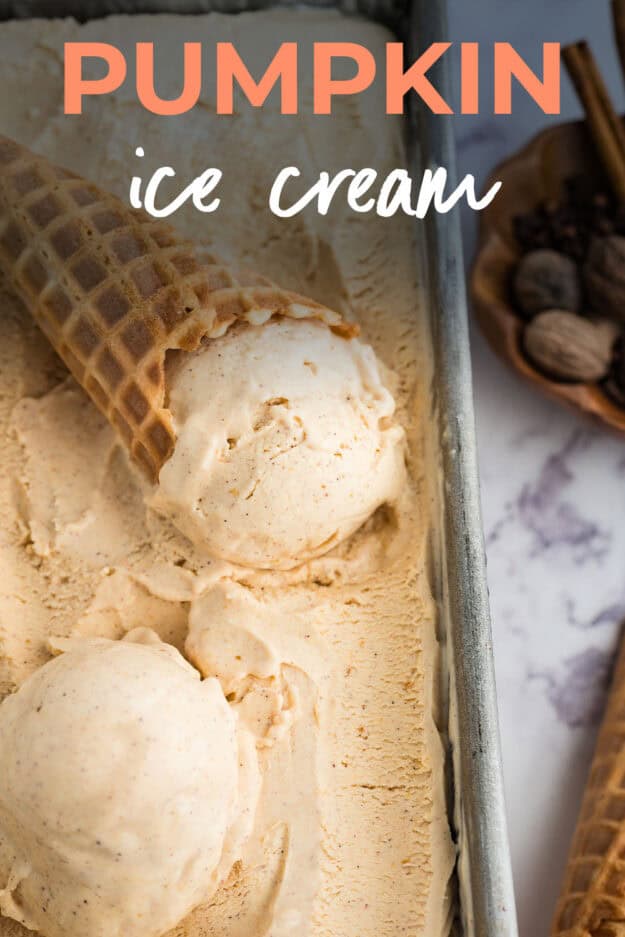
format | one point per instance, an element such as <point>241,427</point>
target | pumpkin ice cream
<point>120,800</point>
<point>285,445</point>
<point>308,610</point>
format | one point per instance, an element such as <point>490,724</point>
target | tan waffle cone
<point>592,902</point>
<point>115,290</point>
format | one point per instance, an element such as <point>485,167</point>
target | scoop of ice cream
<point>285,444</point>
<point>118,791</point>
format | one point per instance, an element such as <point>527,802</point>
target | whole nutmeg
<point>569,348</point>
<point>546,279</point>
<point>604,276</point>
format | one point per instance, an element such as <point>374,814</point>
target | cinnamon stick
<point>605,125</point>
<point>618,19</point>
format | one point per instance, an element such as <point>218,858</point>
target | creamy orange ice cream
<point>285,446</point>
<point>330,668</point>
<point>119,790</point>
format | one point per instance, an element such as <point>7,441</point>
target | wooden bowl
<point>535,174</point>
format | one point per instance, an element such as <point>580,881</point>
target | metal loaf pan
<point>477,813</point>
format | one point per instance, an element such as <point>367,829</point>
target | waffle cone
<point>592,902</point>
<point>115,290</point>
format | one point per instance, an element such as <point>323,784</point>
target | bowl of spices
<point>548,282</point>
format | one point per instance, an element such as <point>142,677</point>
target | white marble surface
<point>553,495</point>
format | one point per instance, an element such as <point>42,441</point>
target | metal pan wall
<point>484,868</point>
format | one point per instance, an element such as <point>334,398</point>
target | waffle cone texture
<point>115,290</point>
<point>592,902</point>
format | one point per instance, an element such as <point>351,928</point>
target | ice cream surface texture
<point>285,444</point>
<point>118,790</point>
<point>330,667</point>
